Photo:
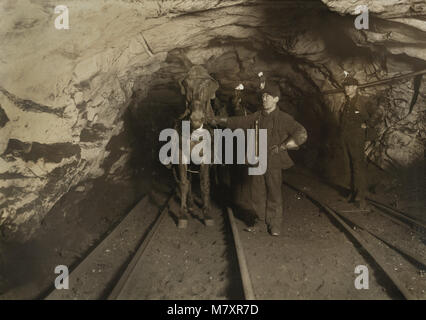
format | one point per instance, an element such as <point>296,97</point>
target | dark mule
<point>199,88</point>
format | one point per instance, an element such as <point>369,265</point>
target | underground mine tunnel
<point>82,108</point>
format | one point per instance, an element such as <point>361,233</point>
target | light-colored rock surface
<point>401,27</point>
<point>63,92</point>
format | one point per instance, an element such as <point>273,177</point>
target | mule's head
<point>199,88</point>
<point>198,114</point>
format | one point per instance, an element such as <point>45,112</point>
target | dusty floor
<point>406,192</point>
<point>312,259</point>
<point>198,262</point>
<point>75,225</point>
<point>362,222</point>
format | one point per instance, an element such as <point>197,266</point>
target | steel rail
<point>245,275</point>
<point>54,294</point>
<point>369,249</point>
<point>412,257</point>
<point>388,212</point>
<point>118,288</point>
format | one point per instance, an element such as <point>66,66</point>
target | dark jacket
<point>281,127</point>
<point>355,113</point>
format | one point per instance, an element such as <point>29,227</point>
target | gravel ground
<point>312,259</point>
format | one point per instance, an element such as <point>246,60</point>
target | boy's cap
<point>350,81</point>
<point>272,89</point>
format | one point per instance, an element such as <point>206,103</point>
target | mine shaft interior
<point>81,111</point>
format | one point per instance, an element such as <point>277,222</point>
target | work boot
<point>274,231</point>
<point>256,228</point>
<point>252,229</point>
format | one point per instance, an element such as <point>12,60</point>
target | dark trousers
<point>274,200</point>
<point>266,195</point>
<point>354,148</point>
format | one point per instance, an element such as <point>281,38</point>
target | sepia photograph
<point>219,152</point>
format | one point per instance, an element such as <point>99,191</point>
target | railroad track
<point>129,279</point>
<point>92,277</point>
<point>123,281</point>
<point>119,288</point>
<point>362,235</point>
<point>125,287</point>
<point>398,217</point>
<point>377,246</point>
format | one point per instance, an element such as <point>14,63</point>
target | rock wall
<point>63,93</point>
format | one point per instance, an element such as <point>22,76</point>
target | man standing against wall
<point>353,125</point>
<point>283,133</point>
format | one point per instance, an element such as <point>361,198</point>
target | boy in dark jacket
<point>283,133</point>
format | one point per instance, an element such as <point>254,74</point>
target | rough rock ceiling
<point>64,92</point>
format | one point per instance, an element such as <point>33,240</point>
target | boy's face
<point>269,102</point>
<point>351,90</point>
